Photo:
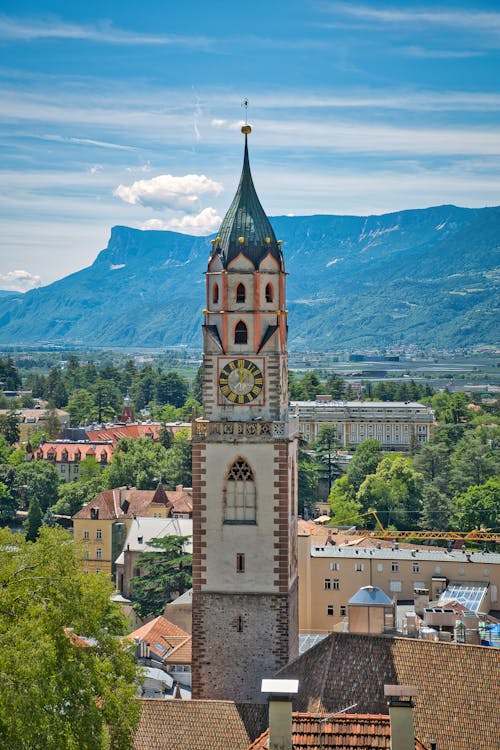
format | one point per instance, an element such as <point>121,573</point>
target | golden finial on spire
<point>246,129</point>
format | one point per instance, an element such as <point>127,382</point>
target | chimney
<point>401,714</point>
<point>280,712</point>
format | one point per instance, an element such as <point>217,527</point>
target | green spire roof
<point>247,221</point>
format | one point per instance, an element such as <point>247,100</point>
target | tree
<point>37,479</point>
<point>57,691</point>
<point>139,463</point>
<point>364,462</point>
<point>9,427</point>
<point>394,491</point>
<point>8,505</point>
<point>74,495</point>
<point>178,466</point>
<point>163,575</point>
<point>437,509</point>
<point>433,462</point>
<point>473,461</point>
<point>33,522</point>
<point>325,444</point>
<point>307,470</point>
<point>171,388</point>
<point>343,503</point>
<point>52,424</point>
<point>479,506</point>
<point>334,386</point>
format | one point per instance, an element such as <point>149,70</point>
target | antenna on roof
<point>244,103</point>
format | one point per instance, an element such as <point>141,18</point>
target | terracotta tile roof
<point>349,732</point>
<point>125,503</point>
<point>160,627</point>
<point>198,725</point>
<point>181,651</point>
<point>458,684</point>
<point>135,430</point>
<point>70,451</point>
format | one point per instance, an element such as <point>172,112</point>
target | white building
<point>396,425</point>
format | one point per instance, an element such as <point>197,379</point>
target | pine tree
<point>34,520</point>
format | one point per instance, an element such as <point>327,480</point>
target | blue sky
<point>129,113</point>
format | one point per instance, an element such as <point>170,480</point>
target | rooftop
<point>438,554</point>
<point>144,528</point>
<point>457,701</point>
<point>348,732</point>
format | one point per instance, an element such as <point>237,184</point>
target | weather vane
<point>244,103</point>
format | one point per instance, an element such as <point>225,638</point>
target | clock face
<point>240,381</point>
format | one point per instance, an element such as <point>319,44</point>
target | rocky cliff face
<point>427,277</point>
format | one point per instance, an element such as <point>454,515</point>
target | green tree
<point>479,506</point>
<point>163,575</point>
<point>80,407</point>
<point>364,462</point>
<point>139,463</point>
<point>335,386</point>
<point>178,464</point>
<point>8,505</point>
<point>344,506</point>
<point>325,446</point>
<point>37,479</point>
<point>9,427</point>
<point>33,522</point>
<point>171,388</point>
<point>52,424</point>
<point>433,462</point>
<point>309,386</point>
<point>437,509</point>
<point>473,461</point>
<point>74,495</point>
<point>56,691</point>
<point>394,491</point>
<point>307,470</point>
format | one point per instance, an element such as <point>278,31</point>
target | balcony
<point>255,431</point>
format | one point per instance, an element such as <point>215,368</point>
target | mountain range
<point>426,277</point>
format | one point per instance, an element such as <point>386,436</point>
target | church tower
<point>245,601</point>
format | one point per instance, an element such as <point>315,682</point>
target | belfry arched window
<point>240,293</point>
<point>240,333</point>
<point>239,494</point>
<point>269,293</point>
<point>215,293</point>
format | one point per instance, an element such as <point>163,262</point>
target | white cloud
<point>206,222</point>
<point>168,191</point>
<point>19,281</point>
<point>87,142</point>
<point>466,19</point>
<point>55,28</point>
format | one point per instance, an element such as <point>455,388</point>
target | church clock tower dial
<point>245,605</point>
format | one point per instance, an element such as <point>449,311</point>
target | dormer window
<point>240,293</point>
<point>215,294</point>
<point>269,293</point>
<point>240,333</point>
<point>94,514</point>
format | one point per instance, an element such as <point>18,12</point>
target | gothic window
<point>239,492</point>
<point>240,293</point>
<point>215,293</point>
<point>240,333</point>
<point>269,293</point>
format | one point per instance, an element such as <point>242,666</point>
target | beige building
<point>331,574</point>
<point>396,425</point>
<point>67,455</point>
<point>32,421</point>
<point>101,526</point>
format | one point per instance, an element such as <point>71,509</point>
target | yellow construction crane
<point>477,535</point>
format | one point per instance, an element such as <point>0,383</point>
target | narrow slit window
<point>239,624</point>
<point>240,562</point>
<point>240,333</point>
<point>240,293</point>
<point>215,294</point>
<point>269,293</point>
